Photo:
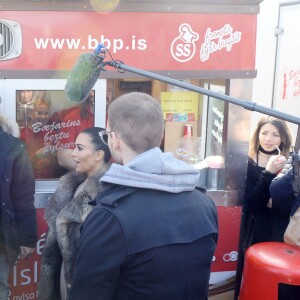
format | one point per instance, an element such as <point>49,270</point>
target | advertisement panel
<point>152,41</point>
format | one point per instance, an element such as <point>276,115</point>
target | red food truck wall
<point>52,41</point>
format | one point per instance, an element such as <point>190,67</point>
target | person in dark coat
<point>18,225</point>
<point>284,198</point>
<point>269,149</point>
<point>152,234</point>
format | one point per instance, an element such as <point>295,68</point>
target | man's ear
<point>115,142</point>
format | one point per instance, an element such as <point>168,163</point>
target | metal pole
<point>246,104</point>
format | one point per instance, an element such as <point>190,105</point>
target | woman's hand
<point>275,164</point>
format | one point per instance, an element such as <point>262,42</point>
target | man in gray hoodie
<point>152,234</point>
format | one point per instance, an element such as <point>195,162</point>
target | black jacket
<point>259,223</point>
<point>142,244</point>
<point>264,224</point>
<point>18,214</point>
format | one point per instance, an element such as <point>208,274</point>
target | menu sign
<point>180,106</point>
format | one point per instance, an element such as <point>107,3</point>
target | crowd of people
<point>143,219</point>
<point>127,221</point>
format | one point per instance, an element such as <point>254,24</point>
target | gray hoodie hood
<point>155,170</point>
<point>9,126</point>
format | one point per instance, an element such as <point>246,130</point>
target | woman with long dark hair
<point>68,208</point>
<point>269,149</point>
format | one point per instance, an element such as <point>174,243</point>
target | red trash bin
<point>266,266</point>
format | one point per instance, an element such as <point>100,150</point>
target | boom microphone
<point>84,74</point>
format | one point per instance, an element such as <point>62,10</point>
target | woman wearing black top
<point>269,149</point>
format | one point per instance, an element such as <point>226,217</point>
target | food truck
<point>208,44</point>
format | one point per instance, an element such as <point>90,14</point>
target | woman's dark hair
<point>93,132</point>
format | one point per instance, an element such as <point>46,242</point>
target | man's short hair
<point>138,119</point>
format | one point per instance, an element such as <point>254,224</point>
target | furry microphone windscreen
<point>83,77</point>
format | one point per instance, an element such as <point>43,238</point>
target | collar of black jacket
<point>201,189</point>
<point>112,194</point>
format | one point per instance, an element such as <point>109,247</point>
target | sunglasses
<point>104,136</point>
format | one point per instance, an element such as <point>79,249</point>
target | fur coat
<point>64,215</point>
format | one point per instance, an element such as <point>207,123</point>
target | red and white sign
<point>226,254</point>
<point>24,277</point>
<point>53,40</point>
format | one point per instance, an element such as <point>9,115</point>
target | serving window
<point>49,122</point>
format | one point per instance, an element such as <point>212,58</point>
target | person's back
<point>170,241</point>
<point>151,235</point>
<point>162,239</point>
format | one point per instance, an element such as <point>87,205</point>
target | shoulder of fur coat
<point>67,186</point>
<point>8,126</point>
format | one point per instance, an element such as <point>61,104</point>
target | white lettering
<point>217,40</point>
<point>37,127</point>
<point>117,44</point>
<point>41,244</point>
<point>24,276</point>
